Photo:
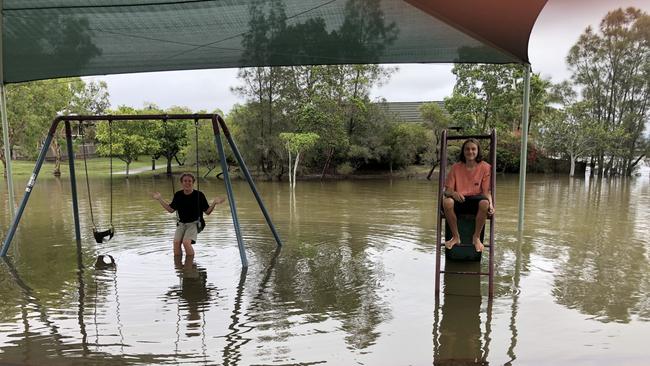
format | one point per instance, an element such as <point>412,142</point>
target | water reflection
<point>601,267</point>
<point>192,294</point>
<point>353,282</point>
<point>276,38</point>
<point>457,337</point>
<point>35,346</point>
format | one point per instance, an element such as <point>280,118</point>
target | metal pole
<point>441,183</point>
<point>73,180</point>
<point>524,148</point>
<point>231,196</point>
<point>5,126</point>
<point>28,189</point>
<point>249,179</point>
<point>493,188</point>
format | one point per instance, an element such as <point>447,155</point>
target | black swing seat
<point>100,235</point>
<point>105,261</point>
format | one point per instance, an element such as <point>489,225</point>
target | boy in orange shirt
<point>467,191</point>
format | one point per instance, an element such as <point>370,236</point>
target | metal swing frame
<point>218,124</point>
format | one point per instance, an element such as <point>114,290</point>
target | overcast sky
<point>558,27</point>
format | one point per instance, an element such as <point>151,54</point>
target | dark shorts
<point>469,206</point>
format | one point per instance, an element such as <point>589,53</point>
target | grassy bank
<point>100,168</point>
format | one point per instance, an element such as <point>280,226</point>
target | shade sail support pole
<point>5,125</point>
<point>524,147</point>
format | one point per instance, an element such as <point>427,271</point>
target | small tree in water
<point>297,143</point>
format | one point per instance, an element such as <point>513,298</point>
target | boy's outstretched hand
<point>218,200</point>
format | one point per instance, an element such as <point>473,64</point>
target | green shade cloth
<point>45,39</point>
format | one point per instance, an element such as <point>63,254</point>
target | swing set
<point>218,124</point>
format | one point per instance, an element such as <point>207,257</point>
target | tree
<point>611,66</point>
<point>297,143</point>
<point>405,141</point>
<point>171,135</point>
<point>437,120</point>
<point>207,150</point>
<point>491,96</point>
<point>276,95</point>
<point>126,140</point>
<point>32,106</point>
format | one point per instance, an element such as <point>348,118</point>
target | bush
<point>344,169</point>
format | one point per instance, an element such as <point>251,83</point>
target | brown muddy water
<point>353,285</point>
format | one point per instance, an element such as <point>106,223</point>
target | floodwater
<point>353,284</point>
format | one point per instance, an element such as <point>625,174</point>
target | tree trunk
<point>330,153</point>
<point>601,165</point>
<point>573,165</point>
<point>290,175</point>
<point>127,170</point>
<point>56,149</point>
<point>435,165</point>
<point>295,167</point>
<point>169,166</point>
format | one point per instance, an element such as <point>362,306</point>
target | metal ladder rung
<point>467,273</point>
<point>466,245</point>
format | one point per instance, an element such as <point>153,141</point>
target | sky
<point>557,29</point>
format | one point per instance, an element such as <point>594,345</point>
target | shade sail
<point>56,38</point>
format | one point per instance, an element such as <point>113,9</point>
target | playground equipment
<point>217,124</point>
<point>464,251</point>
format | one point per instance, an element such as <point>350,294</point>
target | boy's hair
<point>479,154</point>
<point>187,175</point>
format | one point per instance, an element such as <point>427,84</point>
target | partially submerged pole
<point>73,180</point>
<point>28,189</point>
<point>524,147</point>
<point>249,179</point>
<point>229,191</point>
<point>5,127</point>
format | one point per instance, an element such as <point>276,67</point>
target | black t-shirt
<point>189,206</point>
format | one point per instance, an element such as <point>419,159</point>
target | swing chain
<point>83,147</point>
<point>110,152</point>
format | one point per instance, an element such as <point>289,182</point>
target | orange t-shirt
<point>469,182</point>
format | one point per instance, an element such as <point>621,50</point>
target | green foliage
<point>611,66</point>
<point>345,168</point>
<point>299,142</point>
<point>436,119</point>
<point>32,106</point>
<point>172,136</point>
<point>126,140</point>
<point>491,96</point>
<point>508,153</point>
<point>405,142</point>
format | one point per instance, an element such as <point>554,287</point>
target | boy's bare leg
<point>452,221</point>
<point>481,215</point>
<point>177,248</point>
<point>187,245</point>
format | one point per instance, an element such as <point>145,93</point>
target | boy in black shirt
<point>189,203</point>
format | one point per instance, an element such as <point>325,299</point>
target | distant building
<point>408,111</point>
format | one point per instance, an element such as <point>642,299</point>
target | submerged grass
<point>100,168</point>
